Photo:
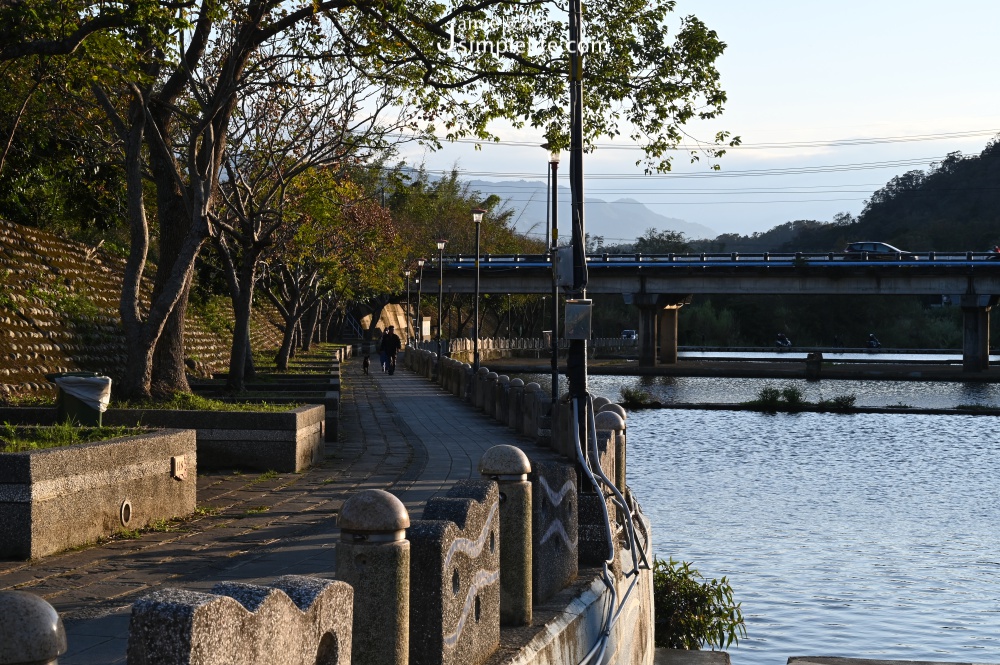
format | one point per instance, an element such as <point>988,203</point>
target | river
<point>868,535</point>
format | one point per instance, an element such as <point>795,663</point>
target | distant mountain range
<point>620,221</point>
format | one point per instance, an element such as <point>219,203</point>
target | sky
<point>905,81</point>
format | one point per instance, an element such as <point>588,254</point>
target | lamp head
<point>553,153</point>
<point>477,215</point>
<point>421,262</point>
<point>407,272</point>
<point>441,243</point>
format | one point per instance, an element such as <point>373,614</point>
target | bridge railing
<point>461,261</point>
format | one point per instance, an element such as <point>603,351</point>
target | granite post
<point>373,556</point>
<point>31,632</point>
<point>510,467</point>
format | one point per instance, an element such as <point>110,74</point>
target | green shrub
<point>844,401</point>
<point>792,395</point>
<point>634,398</point>
<point>692,612</point>
<point>768,396</point>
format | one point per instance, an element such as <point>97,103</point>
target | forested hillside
<point>953,206</point>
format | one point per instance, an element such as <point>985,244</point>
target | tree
<point>192,60</point>
<point>334,241</point>
<point>317,118</point>
<point>661,242</point>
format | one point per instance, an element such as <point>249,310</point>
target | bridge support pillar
<point>668,334</point>
<point>976,332</point>
<point>657,326</point>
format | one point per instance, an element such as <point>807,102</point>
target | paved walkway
<point>399,433</point>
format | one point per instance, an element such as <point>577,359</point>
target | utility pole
<point>576,362</point>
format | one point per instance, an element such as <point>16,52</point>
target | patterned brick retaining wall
<point>59,312</point>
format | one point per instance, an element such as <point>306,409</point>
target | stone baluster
<point>509,467</point>
<point>500,396</point>
<point>479,387</point>
<point>515,401</point>
<point>529,421</point>
<point>31,632</point>
<point>608,419</point>
<point>489,390</point>
<point>373,556</point>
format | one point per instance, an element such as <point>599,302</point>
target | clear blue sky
<point>813,73</point>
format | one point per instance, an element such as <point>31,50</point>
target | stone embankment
<point>59,312</point>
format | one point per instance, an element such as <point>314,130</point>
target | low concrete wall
<point>57,498</point>
<point>290,395</point>
<point>285,441</point>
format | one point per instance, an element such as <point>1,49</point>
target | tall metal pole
<point>554,168</point>
<point>576,361</point>
<point>477,217</point>
<point>420,288</point>
<point>409,318</point>
<point>440,246</point>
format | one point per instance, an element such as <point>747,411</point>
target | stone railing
<point>615,535</point>
<point>491,348</point>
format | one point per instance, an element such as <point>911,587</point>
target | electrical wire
<point>772,145</point>
<point>595,474</point>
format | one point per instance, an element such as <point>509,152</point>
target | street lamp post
<point>440,245</point>
<point>554,170</point>
<point>477,217</point>
<point>420,288</point>
<point>409,318</point>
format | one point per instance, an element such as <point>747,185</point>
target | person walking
<point>391,345</point>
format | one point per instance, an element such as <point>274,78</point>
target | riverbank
<point>759,369</point>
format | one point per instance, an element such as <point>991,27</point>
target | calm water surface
<point>869,535</point>
<point>862,535</point>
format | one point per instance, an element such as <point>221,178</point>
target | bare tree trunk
<point>309,327</point>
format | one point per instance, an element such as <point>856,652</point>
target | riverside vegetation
<point>692,612</point>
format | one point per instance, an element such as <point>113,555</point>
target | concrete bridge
<point>661,284</point>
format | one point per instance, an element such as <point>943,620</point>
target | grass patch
<point>27,400</point>
<point>18,439</point>
<point>984,408</point>
<point>191,402</point>
<point>256,510</point>
<point>206,511</point>
<point>127,534</point>
<point>267,475</point>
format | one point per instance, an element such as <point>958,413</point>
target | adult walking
<point>391,345</point>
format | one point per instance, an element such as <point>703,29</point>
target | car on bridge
<point>875,251</point>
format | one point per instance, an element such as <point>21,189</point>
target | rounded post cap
<point>491,376</point>
<point>609,420</point>
<point>599,402</point>
<point>504,460</point>
<point>30,629</point>
<point>373,511</point>
<point>483,371</point>
<point>614,408</point>
<point>517,383</point>
<point>532,387</point>
<point>503,378</point>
